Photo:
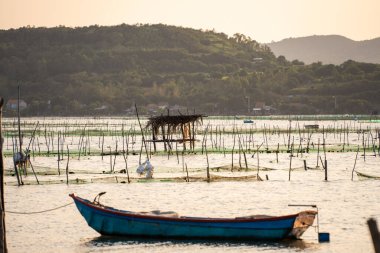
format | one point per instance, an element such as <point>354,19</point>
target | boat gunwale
<point>361,174</point>
<point>181,218</point>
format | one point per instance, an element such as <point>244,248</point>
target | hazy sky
<point>262,20</point>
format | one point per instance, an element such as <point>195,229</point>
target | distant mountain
<point>327,49</point>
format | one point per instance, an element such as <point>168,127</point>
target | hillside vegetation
<point>105,70</point>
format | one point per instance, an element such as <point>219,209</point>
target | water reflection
<point>109,242</point>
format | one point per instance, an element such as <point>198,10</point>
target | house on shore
<point>12,104</point>
<point>261,109</point>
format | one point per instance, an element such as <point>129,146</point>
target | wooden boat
<point>315,126</point>
<point>110,221</point>
<point>366,176</point>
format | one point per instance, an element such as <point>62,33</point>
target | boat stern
<point>303,221</point>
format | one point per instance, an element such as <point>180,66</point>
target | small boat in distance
<point>110,221</point>
<point>315,126</point>
<point>248,121</point>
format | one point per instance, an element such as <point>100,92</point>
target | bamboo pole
<point>176,152</point>
<point>88,142</point>
<point>239,151</point>
<point>208,165</point>
<point>277,151</point>
<point>245,161</point>
<point>14,148</point>
<point>258,162</point>
<point>193,133</point>
<point>378,138</point>
<point>183,161</point>
<point>291,156</point>
<point>35,175</point>
<point>356,158</point>
<point>110,160</point>
<point>19,123</point>
<point>183,138</point>
<point>289,133</point>
<point>154,138</point>
<point>233,148</point>
<point>142,133</point>
<point>67,165</point>
<point>28,151</point>
<point>114,160</point>
<point>324,151</point>
<point>164,137</point>
<point>203,139</point>
<point>3,238</point>
<point>102,145</point>
<point>125,155</point>
<point>59,158</point>
<point>364,144</point>
<point>318,155</point>
<point>187,173</point>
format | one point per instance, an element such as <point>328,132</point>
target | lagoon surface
<point>344,204</point>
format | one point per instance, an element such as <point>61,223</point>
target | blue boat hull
<point>109,221</point>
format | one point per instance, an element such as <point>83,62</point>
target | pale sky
<point>262,20</point>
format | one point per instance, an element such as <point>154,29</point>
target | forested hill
<point>105,70</point>
<point>328,49</point>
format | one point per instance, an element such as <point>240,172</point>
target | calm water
<point>344,205</point>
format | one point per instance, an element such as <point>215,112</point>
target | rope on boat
<point>44,211</point>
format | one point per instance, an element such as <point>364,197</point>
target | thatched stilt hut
<point>169,129</point>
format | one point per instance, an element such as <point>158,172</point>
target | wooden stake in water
<point>289,133</point>
<point>187,173</point>
<point>19,123</point>
<point>277,151</point>
<point>318,154</point>
<point>233,149</point>
<point>59,158</point>
<point>35,175</point>
<point>125,155</point>
<point>364,144</point>
<point>3,241</point>
<point>142,133</point>
<point>102,145</point>
<point>356,158</point>
<point>239,152</point>
<point>176,152</point>
<point>67,165</point>
<point>14,148</point>
<point>114,160</point>
<point>291,156</point>
<point>324,150</point>
<point>110,160</point>
<point>245,161</point>
<point>258,162</point>
<point>208,165</point>
<point>378,146</point>
<point>28,153</point>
